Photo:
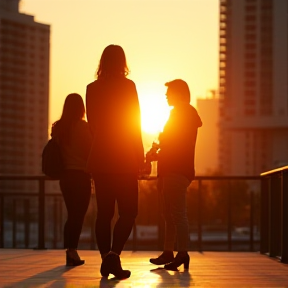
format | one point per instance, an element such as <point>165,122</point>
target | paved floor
<point>45,268</point>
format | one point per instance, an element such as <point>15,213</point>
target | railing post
<point>41,214</point>
<point>14,217</point>
<point>200,207</point>
<point>229,218</point>
<point>134,242</point>
<point>251,220</point>
<point>26,221</point>
<point>161,229</point>
<point>264,215</point>
<point>2,222</point>
<point>284,217</point>
<point>274,213</point>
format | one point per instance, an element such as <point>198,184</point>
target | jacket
<point>113,113</point>
<point>177,142</point>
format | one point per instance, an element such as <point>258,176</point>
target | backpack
<point>52,160</point>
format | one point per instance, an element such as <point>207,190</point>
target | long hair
<point>112,62</point>
<point>73,111</point>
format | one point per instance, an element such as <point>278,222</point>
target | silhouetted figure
<point>117,154</point>
<point>75,139</point>
<point>176,171</point>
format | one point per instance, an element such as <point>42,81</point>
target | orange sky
<point>162,39</point>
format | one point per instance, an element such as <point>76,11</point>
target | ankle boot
<point>72,258</point>
<point>181,258</point>
<point>112,264</point>
<point>164,258</point>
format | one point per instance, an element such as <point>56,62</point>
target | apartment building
<point>24,91</point>
<point>253,86</point>
<point>206,153</point>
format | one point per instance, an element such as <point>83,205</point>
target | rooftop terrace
<point>46,268</point>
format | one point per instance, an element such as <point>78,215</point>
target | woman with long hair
<point>116,156</point>
<point>75,139</point>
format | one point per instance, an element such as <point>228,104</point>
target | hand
<point>145,170</point>
<point>152,154</point>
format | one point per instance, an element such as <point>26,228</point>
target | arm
<point>89,108</point>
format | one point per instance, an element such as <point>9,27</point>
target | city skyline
<point>162,42</point>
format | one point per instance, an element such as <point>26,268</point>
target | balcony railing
<point>223,211</point>
<point>274,214</point>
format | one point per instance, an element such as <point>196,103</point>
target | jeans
<point>110,189</point>
<point>173,189</point>
<point>76,190</point>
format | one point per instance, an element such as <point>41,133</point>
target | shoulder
<point>131,83</point>
<point>82,128</point>
<point>195,116</point>
<point>82,124</point>
<point>127,82</point>
<point>92,84</point>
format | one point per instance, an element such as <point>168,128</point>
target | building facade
<point>206,153</point>
<point>253,89</point>
<point>24,90</point>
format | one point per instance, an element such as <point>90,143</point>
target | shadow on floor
<point>177,279</point>
<point>54,275</point>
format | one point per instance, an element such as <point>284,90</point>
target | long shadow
<point>42,278</point>
<point>108,283</point>
<point>175,279</point>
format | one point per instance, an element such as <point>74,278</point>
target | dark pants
<point>110,189</point>
<point>173,190</point>
<point>76,190</point>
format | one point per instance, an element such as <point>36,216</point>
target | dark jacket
<point>113,114</point>
<point>177,142</point>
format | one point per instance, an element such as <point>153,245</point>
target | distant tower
<point>206,154</point>
<point>24,90</point>
<point>253,88</point>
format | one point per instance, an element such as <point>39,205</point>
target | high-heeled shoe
<point>72,258</point>
<point>112,264</point>
<point>164,258</point>
<point>181,258</point>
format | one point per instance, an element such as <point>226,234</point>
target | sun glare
<point>154,112</point>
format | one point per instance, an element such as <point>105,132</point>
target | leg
<point>170,231</point>
<point>126,191</point>
<point>105,197</point>
<point>127,200</point>
<point>76,189</point>
<point>175,189</point>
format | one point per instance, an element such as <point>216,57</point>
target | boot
<point>72,258</point>
<point>112,264</point>
<point>181,258</point>
<point>164,258</point>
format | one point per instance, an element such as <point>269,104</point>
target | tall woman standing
<point>75,139</point>
<point>116,156</point>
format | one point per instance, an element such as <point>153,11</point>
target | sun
<point>154,112</point>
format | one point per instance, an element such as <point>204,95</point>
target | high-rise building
<point>206,154</point>
<point>24,90</point>
<point>253,86</point>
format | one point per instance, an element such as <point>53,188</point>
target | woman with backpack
<point>73,135</point>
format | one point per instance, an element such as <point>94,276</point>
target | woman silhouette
<point>116,156</point>
<point>75,139</point>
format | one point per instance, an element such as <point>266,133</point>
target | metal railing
<point>274,214</point>
<point>199,235</point>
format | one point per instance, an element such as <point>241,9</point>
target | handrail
<point>41,194</point>
<point>198,177</point>
<point>268,173</point>
<point>274,213</point>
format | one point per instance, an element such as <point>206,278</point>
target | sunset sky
<point>163,40</point>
